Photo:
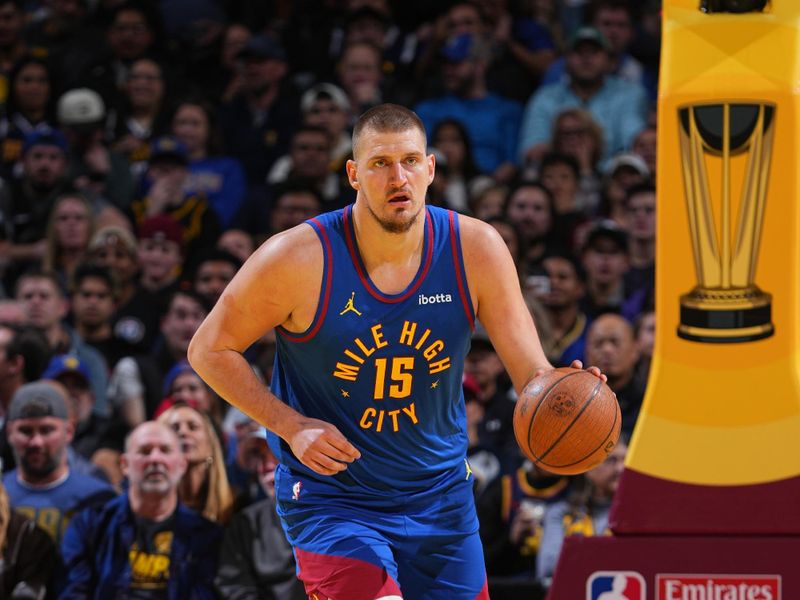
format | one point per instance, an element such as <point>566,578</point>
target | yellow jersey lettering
<point>407,334</point>
<point>377,336</point>
<point>366,351</point>
<point>366,418</point>
<point>401,365</point>
<point>434,349</point>
<point>380,421</point>
<point>439,365</point>
<point>411,411</point>
<point>344,371</point>
<point>421,340</point>
<point>354,356</point>
<point>393,414</point>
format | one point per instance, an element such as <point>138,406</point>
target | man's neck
<point>586,89</point>
<point>59,473</point>
<point>153,507</point>
<point>90,333</point>
<point>562,319</point>
<point>379,247</point>
<point>603,294</point>
<point>642,252</point>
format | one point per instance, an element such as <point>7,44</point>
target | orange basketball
<point>567,421</point>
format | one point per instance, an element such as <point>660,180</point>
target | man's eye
<point>380,163</point>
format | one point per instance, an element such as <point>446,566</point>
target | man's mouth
<point>399,199</point>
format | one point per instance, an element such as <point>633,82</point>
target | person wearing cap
<point>619,107</point>
<point>161,250</point>
<point>255,559</point>
<point>623,172</point>
<point>32,195</point>
<point>93,166</point>
<point>258,122</point>
<point>605,259</point>
<point>46,305</point>
<point>165,194</point>
<point>326,105</point>
<point>43,486</point>
<point>615,20</point>
<point>219,178</point>
<point>211,272</point>
<point>492,121</point>
<point>145,543</point>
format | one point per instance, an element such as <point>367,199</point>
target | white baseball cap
<point>80,106</point>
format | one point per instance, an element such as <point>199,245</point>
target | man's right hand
<point>321,447</point>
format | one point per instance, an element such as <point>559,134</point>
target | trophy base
<point>726,316</point>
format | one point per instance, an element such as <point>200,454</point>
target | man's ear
<point>352,174</point>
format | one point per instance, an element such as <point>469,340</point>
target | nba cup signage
<point>725,157</point>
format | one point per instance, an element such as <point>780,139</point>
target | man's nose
<point>397,175</point>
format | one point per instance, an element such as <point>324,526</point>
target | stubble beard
<point>395,227</point>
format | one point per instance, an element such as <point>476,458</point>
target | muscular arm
<point>498,301</point>
<point>272,288</point>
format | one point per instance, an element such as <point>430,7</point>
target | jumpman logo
<point>469,469</point>
<point>350,306</point>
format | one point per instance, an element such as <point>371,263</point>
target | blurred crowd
<point>147,147</point>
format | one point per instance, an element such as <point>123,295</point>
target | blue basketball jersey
<point>385,369</point>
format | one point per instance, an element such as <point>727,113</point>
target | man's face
<point>605,476</point>
<point>42,301</point>
<point>611,347</point>
<point>39,444</point>
<point>129,36</point>
<point>464,18</point>
<point>459,76</point>
<point>529,209</point>
<point>640,214</point>
<point>8,368</point>
<point>566,288</point>
<point>145,84</point>
<point>616,27</point>
<point>72,224</point>
<point>360,66</point>
<point>159,258</point>
<point>44,166</point>
<point>181,322</point>
<point>483,365</point>
<point>153,461</point>
<point>79,395</point>
<point>11,24</point>
<point>311,154</point>
<point>292,209</point>
<point>391,174</point>
<point>587,63</point>
<point>92,302</point>
<point>32,87</point>
<point>605,262</point>
<point>212,277</point>
<point>261,73</point>
<point>563,184</point>
<point>325,113</point>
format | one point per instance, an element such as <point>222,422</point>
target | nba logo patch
<point>616,585</point>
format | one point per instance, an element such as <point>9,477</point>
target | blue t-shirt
<point>53,508</point>
<point>221,180</point>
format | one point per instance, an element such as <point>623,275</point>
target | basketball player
<point>374,305</point>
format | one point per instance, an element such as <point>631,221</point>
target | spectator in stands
<point>102,174</point>
<point>611,345</point>
<point>259,121</point>
<point>165,194</point>
<point>30,108</point>
<point>93,294</point>
<point>360,75</point>
<point>622,172</point>
<point>450,137</point>
<point>12,40</point>
<point>44,177</point>
<point>237,242</point>
<point>234,41</point>
<point>640,223</point>
<point>69,229</point>
<point>144,542</point>
<point>560,174</point>
<point>584,512</point>
<point>619,107</point>
<point>645,333</point>
<point>326,105</point>
<point>160,256</point>
<point>28,555</point>
<point>294,203</point>
<point>644,146</point>
<point>491,120</point>
<point>136,383</point>
<point>217,177</point>
<point>204,487</point>
<point>530,207</point>
<point>45,304</point>
<point>211,273</point>
<point>256,561</point>
<point>488,201</point>
<point>43,487</point>
<point>561,301</point>
<point>605,259</point>
<point>182,385</point>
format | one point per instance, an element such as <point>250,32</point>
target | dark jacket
<point>28,560</point>
<point>256,561</point>
<point>96,545</point>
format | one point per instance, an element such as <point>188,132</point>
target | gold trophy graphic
<point>729,143</point>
